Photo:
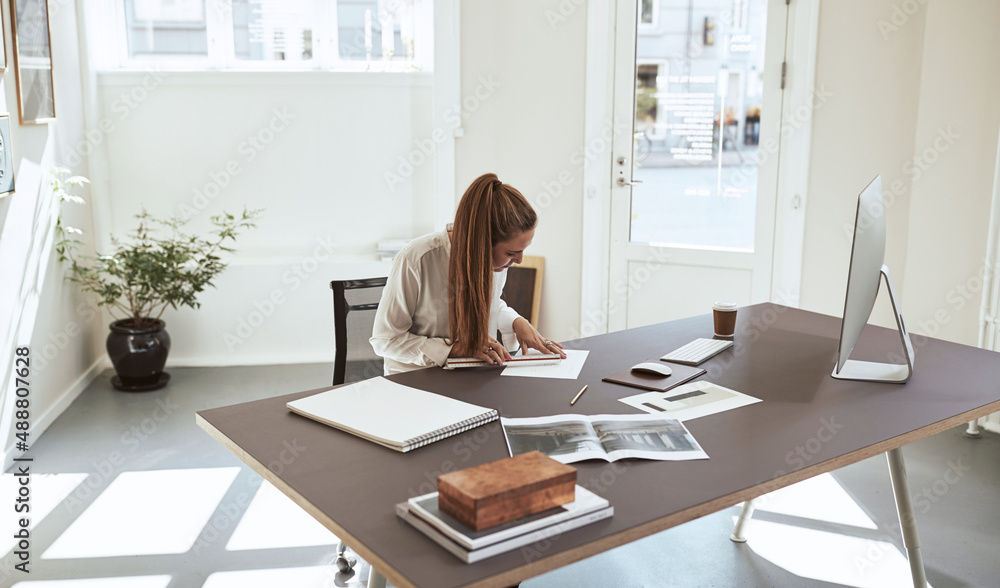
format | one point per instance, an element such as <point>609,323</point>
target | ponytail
<point>490,212</point>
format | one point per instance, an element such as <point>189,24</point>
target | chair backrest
<point>354,306</point>
<point>523,290</point>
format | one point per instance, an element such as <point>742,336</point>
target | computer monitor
<point>863,280</point>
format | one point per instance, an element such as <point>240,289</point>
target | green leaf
<point>158,265</point>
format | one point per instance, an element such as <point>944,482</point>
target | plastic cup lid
<point>724,305</point>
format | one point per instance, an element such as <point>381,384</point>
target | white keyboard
<point>516,361</point>
<point>698,351</point>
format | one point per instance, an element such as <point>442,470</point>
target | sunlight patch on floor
<point>830,557</point>
<point>124,582</point>
<point>146,513</point>
<point>821,498</point>
<point>308,577</point>
<point>273,521</point>
<point>46,492</point>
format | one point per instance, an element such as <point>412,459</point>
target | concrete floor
<point>835,531</point>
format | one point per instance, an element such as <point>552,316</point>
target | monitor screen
<point>864,275</point>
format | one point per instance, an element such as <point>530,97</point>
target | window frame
<point>221,55</point>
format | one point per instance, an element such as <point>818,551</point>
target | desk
<point>807,424</point>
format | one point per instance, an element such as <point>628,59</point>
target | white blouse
<point>412,322</point>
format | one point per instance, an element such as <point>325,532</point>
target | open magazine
<point>570,438</point>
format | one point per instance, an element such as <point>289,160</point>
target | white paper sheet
<point>568,369</point>
<point>703,398</point>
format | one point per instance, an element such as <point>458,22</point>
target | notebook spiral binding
<point>455,429</point>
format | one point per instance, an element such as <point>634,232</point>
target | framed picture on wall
<point>33,61</point>
<point>6,157</point>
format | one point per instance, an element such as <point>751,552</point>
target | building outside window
<point>353,35</point>
<point>698,99</point>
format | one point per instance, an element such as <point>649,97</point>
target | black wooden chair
<point>354,305</point>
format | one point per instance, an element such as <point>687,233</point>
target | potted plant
<point>156,267</point>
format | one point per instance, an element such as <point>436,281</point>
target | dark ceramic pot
<point>138,356</point>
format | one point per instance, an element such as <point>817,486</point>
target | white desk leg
<point>741,523</point>
<point>973,430</point>
<point>907,521</point>
<point>375,579</point>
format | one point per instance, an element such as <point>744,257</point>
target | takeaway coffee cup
<point>724,312</point>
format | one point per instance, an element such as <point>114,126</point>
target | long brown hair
<point>490,212</point>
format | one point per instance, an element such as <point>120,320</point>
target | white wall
<point>183,145</point>
<point>528,129</point>
<point>956,143</point>
<point>866,127</point>
<point>522,115</point>
<point>66,335</point>
<point>323,177</point>
<point>893,85</point>
<point>900,81</point>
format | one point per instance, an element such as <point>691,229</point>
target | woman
<point>442,297</point>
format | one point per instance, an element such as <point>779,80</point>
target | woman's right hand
<point>494,353</point>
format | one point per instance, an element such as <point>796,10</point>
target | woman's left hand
<point>530,338</point>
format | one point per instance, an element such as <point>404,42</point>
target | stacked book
<point>472,546</point>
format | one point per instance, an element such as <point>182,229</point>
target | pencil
<point>578,395</point>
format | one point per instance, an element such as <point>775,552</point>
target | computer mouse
<point>653,368</point>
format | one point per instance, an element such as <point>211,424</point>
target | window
<point>354,35</point>
<point>649,79</point>
<point>648,14</point>
<point>175,28</point>
<point>273,30</point>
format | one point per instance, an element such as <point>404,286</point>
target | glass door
<point>695,184</point>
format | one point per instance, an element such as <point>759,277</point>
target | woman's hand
<point>494,353</point>
<point>530,338</point>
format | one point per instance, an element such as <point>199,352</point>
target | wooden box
<point>505,490</point>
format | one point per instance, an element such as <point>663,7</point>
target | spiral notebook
<point>392,415</point>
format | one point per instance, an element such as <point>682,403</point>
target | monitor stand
<point>867,371</point>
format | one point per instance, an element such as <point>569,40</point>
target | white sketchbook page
<point>568,369</point>
<point>381,409</point>
<point>714,399</point>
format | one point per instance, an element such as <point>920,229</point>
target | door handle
<point>623,182</point>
